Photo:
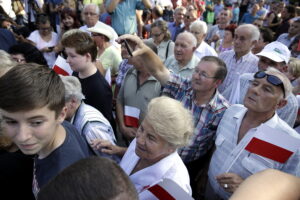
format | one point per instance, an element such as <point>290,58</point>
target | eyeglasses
<point>156,35</point>
<point>89,13</point>
<point>274,80</point>
<point>203,74</point>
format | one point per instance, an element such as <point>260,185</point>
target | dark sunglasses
<point>274,80</point>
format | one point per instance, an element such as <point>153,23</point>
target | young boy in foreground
<point>32,111</point>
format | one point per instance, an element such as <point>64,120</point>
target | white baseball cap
<point>276,51</point>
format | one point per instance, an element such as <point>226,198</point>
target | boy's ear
<point>61,117</point>
<point>88,57</point>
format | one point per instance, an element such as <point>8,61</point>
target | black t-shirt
<point>74,148</point>
<point>16,175</point>
<point>98,94</point>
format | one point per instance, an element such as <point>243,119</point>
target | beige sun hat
<point>98,28</point>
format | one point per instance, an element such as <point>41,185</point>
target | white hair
<point>94,6</point>
<point>189,36</point>
<point>200,25</point>
<point>254,31</point>
<point>170,120</point>
<point>72,88</point>
<point>6,62</point>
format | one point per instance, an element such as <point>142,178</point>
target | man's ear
<point>254,42</point>
<point>218,83</point>
<point>281,103</point>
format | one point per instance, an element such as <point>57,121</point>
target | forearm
<point>155,66</point>
<point>112,6</point>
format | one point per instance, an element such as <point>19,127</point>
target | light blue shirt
<point>123,18</point>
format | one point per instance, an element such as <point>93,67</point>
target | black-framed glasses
<point>274,80</point>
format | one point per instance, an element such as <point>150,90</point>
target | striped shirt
<point>232,157</point>
<point>206,117</point>
<point>247,63</point>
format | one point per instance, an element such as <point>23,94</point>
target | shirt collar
<point>271,122</point>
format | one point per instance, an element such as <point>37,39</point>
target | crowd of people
<point>202,93</point>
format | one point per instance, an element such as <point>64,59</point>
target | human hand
<point>47,49</point>
<point>136,44</point>
<point>229,181</point>
<point>106,146</point>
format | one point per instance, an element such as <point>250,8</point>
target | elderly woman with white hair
<point>90,122</point>
<point>199,29</point>
<point>152,156</point>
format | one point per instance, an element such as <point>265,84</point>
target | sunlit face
<point>32,131</point>
<point>242,40</point>
<point>76,61</point>
<point>68,21</point>
<point>198,33</point>
<point>263,97</point>
<point>203,78</point>
<point>149,145</point>
<point>179,16</point>
<point>224,17</point>
<point>157,34</point>
<point>90,16</point>
<point>45,29</point>
<point>189,17</point>
<point>19,58</point>
<point>183,50</point>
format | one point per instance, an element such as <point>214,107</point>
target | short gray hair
<point>254,31</point>
<point>72,88</point>
<point>6,62</point>
<point>170,120</point>
<point>192,39</point>
<point>286,82</point>
<point>92,5</point>
<point>200,25</point>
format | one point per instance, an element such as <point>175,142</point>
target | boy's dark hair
<point>30,86</point>
<point>90,179</point>
<point>82,42</point>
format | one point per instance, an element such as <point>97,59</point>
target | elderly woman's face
<point>149,145</point>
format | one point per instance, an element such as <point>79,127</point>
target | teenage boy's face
<point>77,62</point>
<point>35,131</point>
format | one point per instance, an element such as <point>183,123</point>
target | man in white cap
<point>108,55</point>
<point>275,55</point>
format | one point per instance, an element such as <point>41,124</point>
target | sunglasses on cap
<point>274,80</point>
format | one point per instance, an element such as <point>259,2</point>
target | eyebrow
<point>30,118</point>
